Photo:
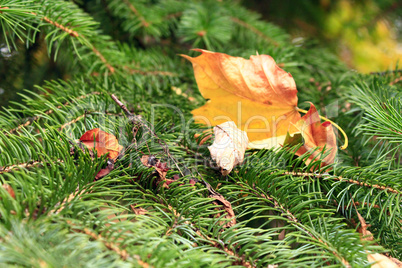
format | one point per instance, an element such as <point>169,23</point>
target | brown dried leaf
<point>102,142</point>
<point>161,168</point>
<point>220,200</point>
<point>138,210</point>
<point>314,134</point>
<point>9,189</point>
<point>381,261</point>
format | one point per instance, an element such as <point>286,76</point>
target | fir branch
<point>20,166</point>
<point>48,112</point>
<point>240,259</point>
<point>111,246</point>
<point>339,178</point>
<point>161,73</point>
<point>254,30</point>
<point>135,11</point>
<point>103,59</point>
<point>58,25</point>
<point>72,121</point>
<point>292,218</point>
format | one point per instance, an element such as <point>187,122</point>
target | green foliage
<point>285,215</point>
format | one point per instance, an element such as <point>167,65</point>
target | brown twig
<point>135,11</point>
<point>230,252</point>
<point>103,59</point>
<point>357,203</point>
<point>124,255</point>
<point>121,105</point>
<point>58,25</point>
<point>162,73</point>
<point>23,165</point>
<point>20,166</point>
<point>136,119</point>
<point>63,28</point>
<point>255,30</point>
<point>72,122</point>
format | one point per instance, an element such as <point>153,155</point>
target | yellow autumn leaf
<point>256,94</point>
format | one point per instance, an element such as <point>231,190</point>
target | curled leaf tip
<point>328,123</point>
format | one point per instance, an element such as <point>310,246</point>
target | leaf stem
<point>345,145</point>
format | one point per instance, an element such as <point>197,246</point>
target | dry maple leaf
<point>256,93</point>
<point>314,134</point>
<point>102,142</point>
<point>262,99</point>
<point>229,146</point>
<point>378,260</point>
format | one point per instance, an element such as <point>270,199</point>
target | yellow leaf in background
<point>256,94</point>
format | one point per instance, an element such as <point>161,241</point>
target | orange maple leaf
<point>262,99</point>
<point>256,94</point>
<point>315,134</point>
<point>102,142</point>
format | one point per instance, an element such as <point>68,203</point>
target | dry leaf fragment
<point>138,210</point>
<point>105,171</point>
<point>229,146</point>
<point>161,169</point>
<point>314,134</point>
<point>9,189</point>
<point>102,142</point>
<point>219,200</point>
<point>152,161</point>
<point>256,93</point>
<point>379,260</point>
<point>227,207</point>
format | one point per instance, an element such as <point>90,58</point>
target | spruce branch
<point>103,59</point>
<point>342,179</point>
<point>137,119</point>
<point>48,112</point>
<point>136,13</point>
<point>254,30</point>
<point>58,25</point>
<point>20,166</point>
<point>293,220</point>
<point>161,73</point>
<point>111,246</point>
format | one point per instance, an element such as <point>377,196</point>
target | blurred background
<point>365,34</point>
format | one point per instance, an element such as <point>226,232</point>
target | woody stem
<point>345,145</point>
